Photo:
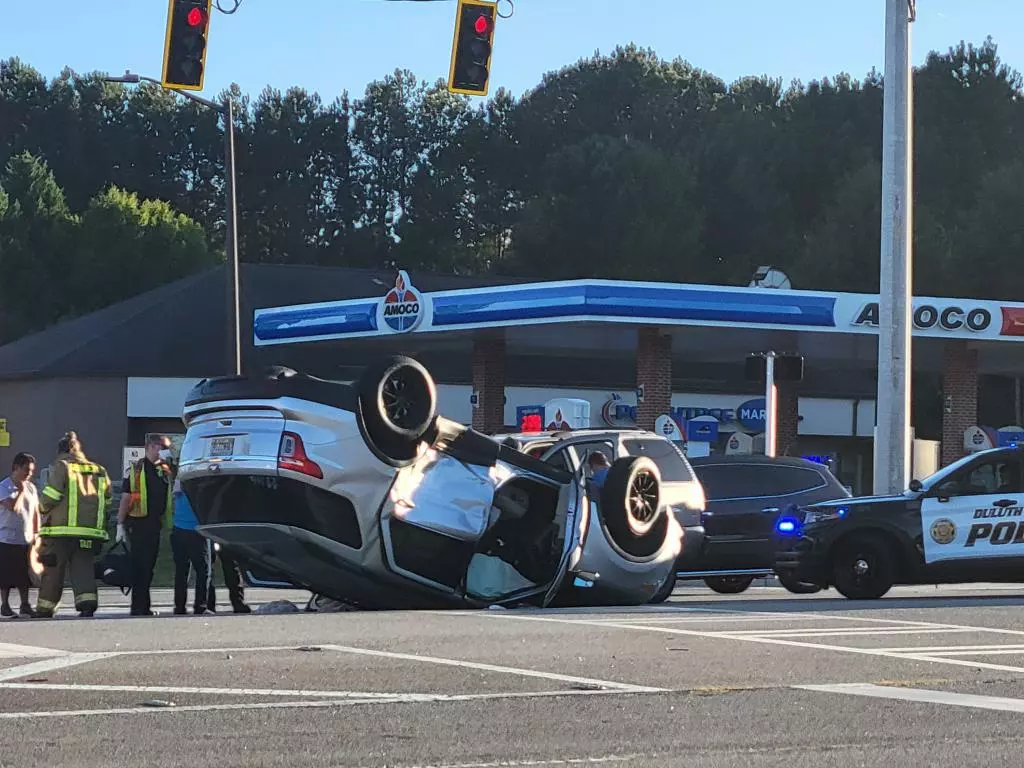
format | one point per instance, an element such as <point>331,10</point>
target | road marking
<point>76,687</point>
<point>398,698</point>
<point>933,648</point>
<point>769,641</point>
<point>602,760</point>
<point>971,700</point>
<point>969,652</point>
<point>625,687</point>
<point>10,650</point>
<point>847,632</point>
<point>51,665</point>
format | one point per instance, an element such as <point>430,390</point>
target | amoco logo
<point>402,307</point>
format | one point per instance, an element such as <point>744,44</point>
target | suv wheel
<point>729,585</point>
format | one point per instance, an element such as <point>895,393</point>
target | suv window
<point>739,481</point>
<point>670,460</point>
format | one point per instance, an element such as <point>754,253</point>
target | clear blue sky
<point>332,45</point>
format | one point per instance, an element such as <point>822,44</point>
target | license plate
<point>222,446</point>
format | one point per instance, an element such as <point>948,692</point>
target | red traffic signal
<point>471,51</point>
<point>188,21</point>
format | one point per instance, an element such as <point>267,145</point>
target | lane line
<point>598,760</point>
<point>317,704</point>
<point>998,703</point>
<point>51,665</point>
<point>86,687</point>
<point>989,652</point>
<point>859,632</point>
<point>10,650</point>
<point>775,641</point>
<point>625,687</point>
<point>933,648</point>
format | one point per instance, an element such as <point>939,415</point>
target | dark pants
<point>144,541</point>
<point>191,551</point>
<point>232,580</point>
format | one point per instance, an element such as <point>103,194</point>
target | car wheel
<point>863,568</point>
<point>795,586</point>
<point>666,590</point>
<point>729,585</point>
<point>631,506</point>
<point>398,403</point>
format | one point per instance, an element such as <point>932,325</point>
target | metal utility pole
<point>231,235</point>
<point>892,431</point>
<point>771,406</point>
<point>234,347</point>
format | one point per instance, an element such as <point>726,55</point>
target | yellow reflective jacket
<point>140,494</point>
<point>75,500</point>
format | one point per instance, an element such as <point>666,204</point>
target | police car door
<point>973,521</point>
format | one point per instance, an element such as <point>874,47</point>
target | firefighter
<point>147,507</point>
<point>72,528</point>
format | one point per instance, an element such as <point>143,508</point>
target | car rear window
<point>670,460</point>
<point>737,481</point>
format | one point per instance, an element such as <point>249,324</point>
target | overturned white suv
<point>360,492</point>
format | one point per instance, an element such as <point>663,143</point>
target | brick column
<point>489,382</point>
<point>960,397</point>
<point>654,372</point>
<point>787,427</point>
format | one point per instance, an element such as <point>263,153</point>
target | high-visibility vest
<point>74,501</point>
<point>140,496</point>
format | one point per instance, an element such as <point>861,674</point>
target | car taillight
<point>292,456</point>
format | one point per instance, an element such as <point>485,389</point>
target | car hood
<point>859,501</point>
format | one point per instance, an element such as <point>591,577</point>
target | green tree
<point>128,246</point>
<point>36,241</point>
<point>613,208</point>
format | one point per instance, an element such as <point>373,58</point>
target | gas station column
<point>489,381</point>
<point>787,430</point>
<point>653,376</point>
<point>960,397</point>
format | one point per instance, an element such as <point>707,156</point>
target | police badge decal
<point>943,531</point>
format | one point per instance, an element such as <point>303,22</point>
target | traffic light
<point>471,51</point>
<point>188,22</point>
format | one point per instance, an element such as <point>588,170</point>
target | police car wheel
<point>797,587</point>
<point>398,406</point>
<point>863,568</point>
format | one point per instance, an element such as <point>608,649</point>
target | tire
<point>631,506</point>
<point>398,406</point>
<point>729,585</point>
<point>795,586</point>
<point>666,590</point>
<point>863,567</point>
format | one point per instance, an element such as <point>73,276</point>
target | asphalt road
<point>924,677</point>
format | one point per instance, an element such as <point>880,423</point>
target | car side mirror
<point>915,485</point>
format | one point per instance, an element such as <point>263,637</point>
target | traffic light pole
<point>231,218</point>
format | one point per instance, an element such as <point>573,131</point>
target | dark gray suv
<point>745,497</point>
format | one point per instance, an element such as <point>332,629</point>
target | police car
<point>965,523</point>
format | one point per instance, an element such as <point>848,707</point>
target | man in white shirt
<point>19,523</point>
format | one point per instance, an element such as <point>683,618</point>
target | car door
<point>973,520</point>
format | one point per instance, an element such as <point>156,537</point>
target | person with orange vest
<point>147,507</point>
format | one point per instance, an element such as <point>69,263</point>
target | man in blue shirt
<point>191,551</point>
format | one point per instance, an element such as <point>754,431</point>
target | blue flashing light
<point>786,526</point>
<point>842,512</point>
